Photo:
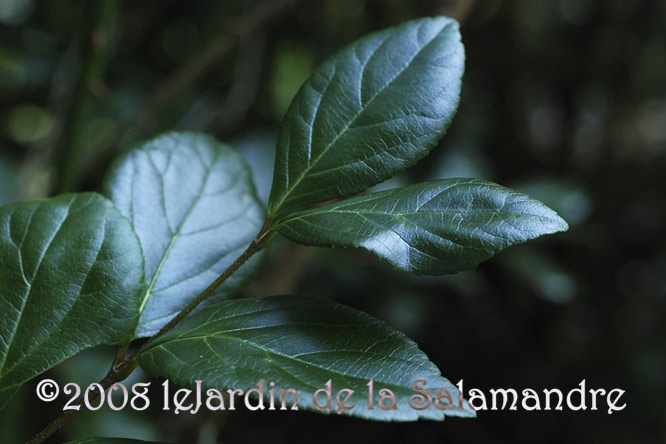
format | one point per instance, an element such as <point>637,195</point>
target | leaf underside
<point>299,343</point>
<point>71,270</point>
<point>194,208</point>
<point>367,113</point>
<point>429,228</point>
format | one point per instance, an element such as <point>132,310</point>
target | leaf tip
<point>561,225</point>
<point>555,224</point>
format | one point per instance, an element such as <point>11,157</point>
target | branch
<point>245,83</point>
<point>124,365</point>
<point>172,86</point>
<point>69,149</point>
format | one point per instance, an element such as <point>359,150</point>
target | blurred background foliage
<point>562,99</point>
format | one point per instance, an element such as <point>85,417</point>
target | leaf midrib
<point>176,234</point>
<point>362,109</point>
<point>76,299</point>
<point>410,213</point>
<point>5,371</point>
<point>222,336</point>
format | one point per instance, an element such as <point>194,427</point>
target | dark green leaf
<point>367,113</point>
<point>71,271</point>
<point>298,343</point>
<point>194,208</point>
<point>430,228</point>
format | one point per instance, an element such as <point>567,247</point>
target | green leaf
<point>429,228</point>
<point>298,343</point>
<point>70,278</point>
<point>367,113</point>
<point>111,441</point>
<point>193,206</point>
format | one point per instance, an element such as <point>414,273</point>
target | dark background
<point>562,99</point>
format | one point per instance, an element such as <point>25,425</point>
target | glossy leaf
<point>430,228</point>
<point>71,271</point>
<point>299,343</point>
<point>193,206</point>
<point>367,113</point>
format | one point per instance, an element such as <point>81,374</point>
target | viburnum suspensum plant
<point>153,264</point>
